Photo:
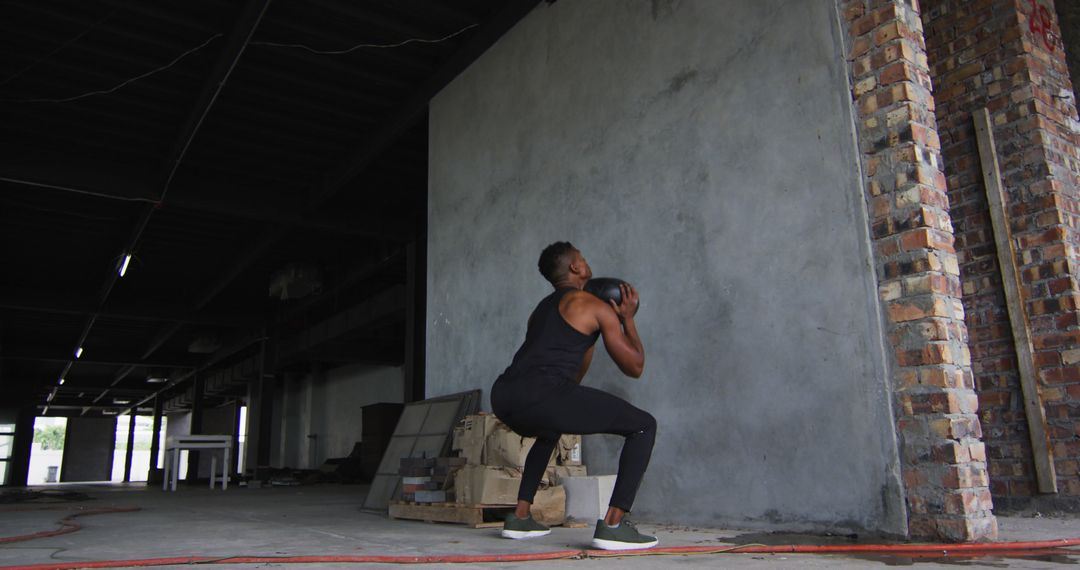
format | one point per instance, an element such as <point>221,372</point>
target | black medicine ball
<point>606,288</point>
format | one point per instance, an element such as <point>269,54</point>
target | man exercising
<point>540,394</point>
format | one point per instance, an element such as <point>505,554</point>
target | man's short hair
<point>553,262</point>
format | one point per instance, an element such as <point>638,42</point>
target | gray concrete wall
<point>89,444</point>
<point>704,151</point>
<point>327,404</point>
<point>216,421</point>
<point>178,423</point>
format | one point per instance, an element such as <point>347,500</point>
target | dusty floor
<point>327,520</point>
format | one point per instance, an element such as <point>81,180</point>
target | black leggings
<point>575,409</point>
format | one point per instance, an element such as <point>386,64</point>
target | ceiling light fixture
<point>78,352</point>
<point>62,381</point>
<point>156,380</point>
<point>121,402</point>
<point>124,264</point>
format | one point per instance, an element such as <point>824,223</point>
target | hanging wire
<point>57,50</point>
<point>362,46</point>
<point>133,79</point>
<point>207,42</point>
<point>78,190</point>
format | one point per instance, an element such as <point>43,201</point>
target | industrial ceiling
<point>213,151</point>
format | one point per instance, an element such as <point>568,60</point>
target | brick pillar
<point>1006,56</point>
<point>944,468</point>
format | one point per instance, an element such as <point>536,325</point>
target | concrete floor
<point>327,520</point>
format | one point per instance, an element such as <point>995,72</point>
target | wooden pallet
<point>474,516</point>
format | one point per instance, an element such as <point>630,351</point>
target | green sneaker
<point>523,528</point>
<point>623,537</point>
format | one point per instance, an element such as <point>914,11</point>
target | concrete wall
<point>327,405</point>
<point>179,423</point>
<point>216,421</point>
<point>705,151</point>
<point>89,444</point>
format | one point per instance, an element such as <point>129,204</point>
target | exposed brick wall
<point>944,469</point>
<point>994,54</point>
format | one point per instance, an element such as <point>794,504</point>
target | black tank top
<point>552,348</point>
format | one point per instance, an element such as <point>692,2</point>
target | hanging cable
<point>133,79</point>
<point>214,37</point>
<point>57,50</point>
<point>77,190</point>
<point>363,46</point>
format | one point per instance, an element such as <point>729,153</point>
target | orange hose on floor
<point>67,524</point>
<point>966,550</point>
<point>936,549</point>
<point>1012,549</point>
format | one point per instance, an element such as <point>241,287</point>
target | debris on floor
<point>42,496</point>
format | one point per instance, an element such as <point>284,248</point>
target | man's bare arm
<point>620,333</point>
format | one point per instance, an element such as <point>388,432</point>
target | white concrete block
<point>587,497</point>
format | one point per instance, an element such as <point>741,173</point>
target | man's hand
<point>630,301</point>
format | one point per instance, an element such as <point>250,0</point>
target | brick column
<point>944,468</point>
<point>1006,56</point>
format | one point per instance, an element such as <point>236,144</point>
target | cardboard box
<point>470,436</point>
<point>484,485</point>
<point>507,449</point>
<point>504,448</point>
<point>570,450</point>
<point>556,473</point>
<point>481,439</point>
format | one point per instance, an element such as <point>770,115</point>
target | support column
<point>196,427</point>
<point>130,446</point>
<point>1006,56</point>
<point>22,446</point>
<point>944,469</point>
<point>415,319</point>
<point>153,475</point>
<point>267,382</point>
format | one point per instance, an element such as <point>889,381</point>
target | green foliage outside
<point>50,437</point>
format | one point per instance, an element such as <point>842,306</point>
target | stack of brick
<point>424,480</point>
<point>1006,56</point>
<point>943,468</point>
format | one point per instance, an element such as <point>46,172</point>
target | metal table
<point>174,444</point>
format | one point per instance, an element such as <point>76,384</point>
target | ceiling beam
<point>387,304</point>
<point>125,182</point>
<point>235,44</point>
<point>399,121</point>
<point>57,306</point>
<point>67,390</point>
<point>214,360</point>
<point>107,359</point>
<point>361,272</point>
